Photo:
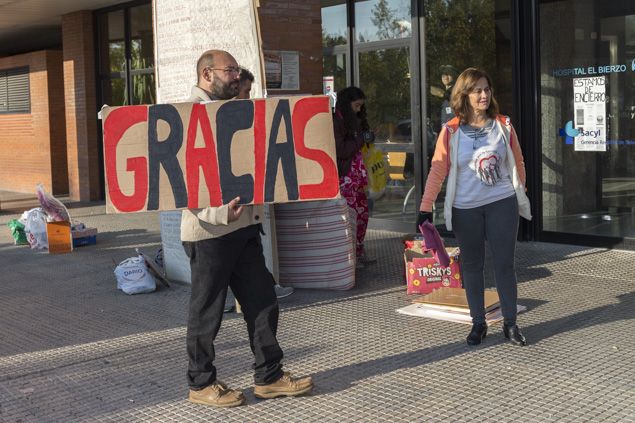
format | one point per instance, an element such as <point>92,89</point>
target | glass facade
<point>368,44</point>
<point>384,39</point>
<point>335,42</point>
<point>125,59</point>
<point>461,34</point>
<point>568,85</point>
<point>587,102</point>
<point>126,55</point>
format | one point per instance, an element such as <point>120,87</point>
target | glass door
<point>368,43</point>
<point>125,59</point>
<point>382,58</point>
<point>335,46</point>
<point>405,55</point>
<point>126,55</point>
<point>587,82</point>
<point>113,58</point>
<point>461,34</point>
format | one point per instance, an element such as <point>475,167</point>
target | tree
<point>385,74</point>
<point>461,33</point>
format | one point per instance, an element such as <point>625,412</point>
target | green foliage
<point>329,40</point>
<point>385,79</point>
<point>460,33</point>
<point>385,74</point>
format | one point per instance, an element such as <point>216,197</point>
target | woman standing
<point>478,151</point>
<point>351,133</point>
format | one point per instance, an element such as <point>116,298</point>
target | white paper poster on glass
<point>282,69</point>
<point>589,105</point>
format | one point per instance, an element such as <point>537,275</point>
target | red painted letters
<point>204,157</point>
<point>305,109</point>
<point>117,123</point>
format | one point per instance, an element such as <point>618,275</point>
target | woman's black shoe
<point>478,332</point>
<point>513,334</point>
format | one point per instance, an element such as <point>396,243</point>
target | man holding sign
<point>225,250</point>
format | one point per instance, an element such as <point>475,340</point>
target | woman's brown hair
<point>460,102</point>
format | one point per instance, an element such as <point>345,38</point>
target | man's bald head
<point>206,60</point>
<point>217,73</point>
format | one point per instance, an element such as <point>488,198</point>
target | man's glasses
<point>228,70</point>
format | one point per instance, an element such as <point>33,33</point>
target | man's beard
<point>224,91</point>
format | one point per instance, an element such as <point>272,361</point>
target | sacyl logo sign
<point>594,134</point>
<point>569,132</point>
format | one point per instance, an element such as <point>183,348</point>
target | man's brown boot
<point>285,386</point>
<point>217,395</point>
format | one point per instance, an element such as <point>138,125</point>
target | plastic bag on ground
<point>53,207</point>
<point>17,231</point>
<point>35,228</point>
<point>133,276</point>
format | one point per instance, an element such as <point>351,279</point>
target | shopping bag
<point>35,228</point>
<point>376,169</point>
<point>133,276</point>
<point>17,231</point>
<point>54,208</point>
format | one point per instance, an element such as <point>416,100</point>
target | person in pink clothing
<point>351,133</point>
<point>479,153</point>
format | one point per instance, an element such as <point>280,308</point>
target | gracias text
<point>214,158</point>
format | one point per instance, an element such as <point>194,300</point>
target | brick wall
<point>27,140</point>
<point>295,25</point>
<point>81,110</point>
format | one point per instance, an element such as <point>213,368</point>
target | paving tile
<point>73,348</point>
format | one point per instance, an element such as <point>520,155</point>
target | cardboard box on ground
<point>450,304</point>
<point>53,220</point>
<point>63,239</point>
<point>443,295</point>
<point>59,237</point>
<point>422,273</point>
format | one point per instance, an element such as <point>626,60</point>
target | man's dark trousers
<point>235,260</point>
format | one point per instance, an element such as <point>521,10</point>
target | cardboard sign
<point>424,274</point>
<point>173,156</point>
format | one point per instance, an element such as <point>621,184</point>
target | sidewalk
<point>73,348</point>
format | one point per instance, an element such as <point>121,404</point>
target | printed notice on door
<point>282,70</point>
<point>589,105</point>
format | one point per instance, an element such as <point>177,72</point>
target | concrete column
<point>81,110</point>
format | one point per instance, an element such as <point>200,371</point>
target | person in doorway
<point>224,247</point>
<point>246,78</point>
<point>351,133</point>
<point>479,152</point>
<point>448,77</point>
